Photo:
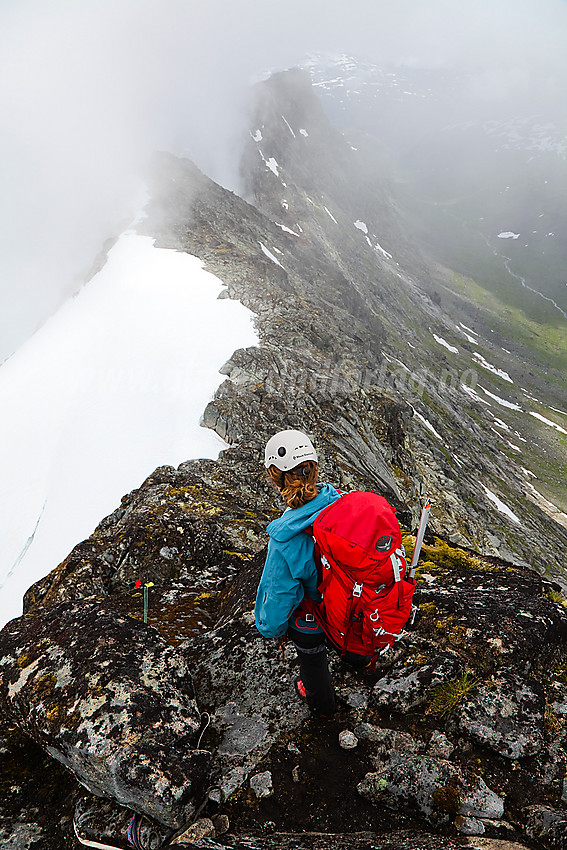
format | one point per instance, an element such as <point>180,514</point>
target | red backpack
<point>364,581</point>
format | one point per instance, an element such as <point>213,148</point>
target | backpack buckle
<point>357,589</point>
<point>309,618</point>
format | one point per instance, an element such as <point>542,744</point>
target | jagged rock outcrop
<point>109,699</point>
<point>417,709</point>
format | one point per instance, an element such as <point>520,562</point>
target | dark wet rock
<point>108,698</point>
<point>36,791</point>
<point>438,789</point>
<point>21,836</point>
<point>548,825</point>
<point>406,688</point>
<point>506,713</point>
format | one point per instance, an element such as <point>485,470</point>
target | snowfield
<point>112,386</point>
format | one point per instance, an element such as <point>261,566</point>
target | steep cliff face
<point>461,729</point>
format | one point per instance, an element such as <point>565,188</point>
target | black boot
<point>316,679</point>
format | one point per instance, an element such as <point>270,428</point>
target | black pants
<point>314,670</point>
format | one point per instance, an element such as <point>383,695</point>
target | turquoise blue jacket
<point>290,571</point>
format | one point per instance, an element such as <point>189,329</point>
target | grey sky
<point>89,89</point>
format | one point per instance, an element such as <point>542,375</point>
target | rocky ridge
<point>191,717</point>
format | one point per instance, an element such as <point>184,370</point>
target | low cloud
<point>89,90</point>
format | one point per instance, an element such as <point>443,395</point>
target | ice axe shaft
<point>419,538</point>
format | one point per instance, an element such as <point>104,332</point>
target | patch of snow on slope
<point>445,344</point>
<point>257,136</point>
<point>507,234</point>
<point>470,330</point>
<point>491,368</point>
<point>271,164</point>
<point>304,132</point>
<point>427,424</point>
<point>112,386</point>
<point>509,404</point>
<point>330,214</point>
<point>548,422</point>
<point>269,255</point>
<point>474,395</point>
<point>383,251</point>
<point>500,424</point>
<point>500,506</point>
<point>469,338</point>
<point>288,126</point>
<point>360,225</point>
<point>288,230</point>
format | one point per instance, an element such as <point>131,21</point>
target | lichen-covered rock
<point>183,529</point>
<point>507,714</point>
<point>440,747</point>
<point>261,784</point>
<point>405,688</point>
<point>347,740</point>
<point>247,687</point>
<point>107,697</point>
<point>438,789</point>
<point>241,733</point>
<point>492,615</point>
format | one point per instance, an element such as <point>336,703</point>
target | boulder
<point>405,688</point>
<point>438,789</point>
<point>547,825</point>
<point>506,714</point>
<point>107,697</point>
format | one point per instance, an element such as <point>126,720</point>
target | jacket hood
<point>295,520</point>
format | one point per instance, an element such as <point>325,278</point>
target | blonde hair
<point>297,486</point>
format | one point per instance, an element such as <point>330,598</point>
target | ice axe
<point>419,539</point>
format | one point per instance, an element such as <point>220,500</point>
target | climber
<point>290,571</point>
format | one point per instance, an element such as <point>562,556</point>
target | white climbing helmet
<point>287,449</point>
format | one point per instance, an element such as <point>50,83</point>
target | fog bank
<point>89,90</point>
